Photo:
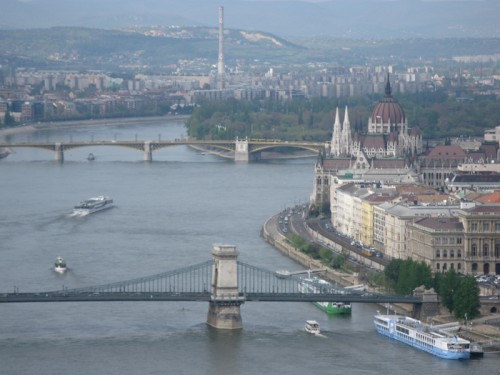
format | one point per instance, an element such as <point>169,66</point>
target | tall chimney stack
<point>220,65</point>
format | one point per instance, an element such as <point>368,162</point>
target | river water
<point>168,215</point>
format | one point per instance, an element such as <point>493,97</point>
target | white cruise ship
<point>91,205</point>
<point>422,336</point>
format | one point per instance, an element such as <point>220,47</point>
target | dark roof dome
<point>388,110</point>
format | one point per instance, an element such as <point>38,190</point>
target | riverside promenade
<point>484,330</point>
<point>272,234</point>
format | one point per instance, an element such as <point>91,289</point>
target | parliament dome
<point>388,110</point>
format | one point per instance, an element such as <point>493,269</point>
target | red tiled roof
<point>446,152</point>
<point>336,164</point>
<point>441,223</point>
<point>490,198</point>
<point>388,163</point>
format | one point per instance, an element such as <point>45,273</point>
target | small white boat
<point>312,327</point>
<point>92,205</point>
<point>60,265</point>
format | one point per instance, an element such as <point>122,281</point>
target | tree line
<point>459,293</point>
<point>311,119</point>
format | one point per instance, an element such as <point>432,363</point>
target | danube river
<point>168,214</point>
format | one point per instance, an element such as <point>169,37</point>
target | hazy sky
<point>335,18</point>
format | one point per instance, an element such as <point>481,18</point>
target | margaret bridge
<point>238,149</point>
<point>224,282</point>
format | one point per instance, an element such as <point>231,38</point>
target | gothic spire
<point>345,142</point>
<point>388,86</point>
<point>336,136</point>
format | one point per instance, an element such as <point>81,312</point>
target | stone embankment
<point>484,330</point>
<point>280,242</point>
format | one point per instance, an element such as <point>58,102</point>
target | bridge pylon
<point>241,150</point>
<point>59,149</point>
<point>224,306</point>
<point>148,151</point>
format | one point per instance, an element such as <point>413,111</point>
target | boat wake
<point>78,214</point>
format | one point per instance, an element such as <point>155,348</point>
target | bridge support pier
<point>429,306</point>
<point>224,309</point>
<point>59,149</point>
<point>241,151</point>
<point>148,153</point>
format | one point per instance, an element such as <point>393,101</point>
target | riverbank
<point>484,330</point>
<point>94,122</point>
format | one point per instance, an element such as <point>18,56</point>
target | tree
<point>406,275</point>
<point>391,271</point>
<point>9,120</point>
<point>447,287</point>
<point>466,298</point>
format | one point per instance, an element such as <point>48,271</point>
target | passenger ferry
<point>60,265</point>
<point>317,285</point>
<point>92,205</point>
<point>430,339</point>
<point>312,327</point>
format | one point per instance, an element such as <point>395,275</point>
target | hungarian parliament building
<point>385,189</point>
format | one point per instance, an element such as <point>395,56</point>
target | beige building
<point>390,224</point>
<point>437,241</point>
<point>481,238</point>
<point>468,243</point>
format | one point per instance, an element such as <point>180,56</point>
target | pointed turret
<point>388,87</point>
<point>336,136</point>
<point>346,135</point>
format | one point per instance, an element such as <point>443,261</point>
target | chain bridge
<point>239,150</point>
<point>224,282</point>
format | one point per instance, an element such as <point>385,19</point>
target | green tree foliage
<point>459,294</point>
<point>338,261</point>
<point>466,298</point>
<point>312,119</point>
<point>447,287</point>
<point>406,275</point>
<point>391,271</point>
<point>9,119</point>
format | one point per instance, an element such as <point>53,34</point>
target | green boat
<point>334,308</point>
<point>316,285</point>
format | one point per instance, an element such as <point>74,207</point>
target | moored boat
<point>312,327</point>
<point>92,205</point>
<point>430,339</point>
<point>60,265</point>
<point>317,285</point>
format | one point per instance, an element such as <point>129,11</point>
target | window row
<point>444,253</point>
<point>474,226</point>
<point>474,251</point>
<point>444,267</point>
<point>448,240</point>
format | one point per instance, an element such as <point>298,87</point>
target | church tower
<point>345,141</point>
<point>335,149</point>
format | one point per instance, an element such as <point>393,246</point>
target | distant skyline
<point>285,18</point>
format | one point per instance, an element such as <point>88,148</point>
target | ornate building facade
<point>387,152</point>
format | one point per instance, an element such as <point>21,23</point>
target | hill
<point>159,49</point>
<point>359,19</point>
<point>152,47</point>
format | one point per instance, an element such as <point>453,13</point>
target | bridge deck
<point>193,283</point>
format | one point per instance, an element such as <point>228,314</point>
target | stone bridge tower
<point>429,306</point>
<point>224,307</point>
